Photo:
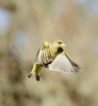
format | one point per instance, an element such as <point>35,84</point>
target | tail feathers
<point>35,76</point>
<point>30,75</point>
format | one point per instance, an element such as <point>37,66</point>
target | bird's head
<point>58,43</point>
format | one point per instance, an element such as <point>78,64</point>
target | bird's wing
<point>63,63</point>
<point>43,55</point>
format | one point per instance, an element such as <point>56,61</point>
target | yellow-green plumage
<point>35,73</point>
<point>51,55</point>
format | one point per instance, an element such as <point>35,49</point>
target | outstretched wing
<point>63,63</point>
<point>43,55</point>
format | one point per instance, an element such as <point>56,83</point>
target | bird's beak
<point>63,44</point>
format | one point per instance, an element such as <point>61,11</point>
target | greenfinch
<point>51,55</point>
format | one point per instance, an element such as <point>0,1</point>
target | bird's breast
<point>55,51</point>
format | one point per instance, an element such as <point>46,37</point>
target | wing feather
<point>43,56</point>
<point>63,64</point>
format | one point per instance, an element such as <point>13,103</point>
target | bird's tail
<point>34,75</point>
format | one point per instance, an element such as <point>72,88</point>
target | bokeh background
<point>24,25</point>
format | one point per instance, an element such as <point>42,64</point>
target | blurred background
<point>24,25</point>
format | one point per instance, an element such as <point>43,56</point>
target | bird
<point>52,55</point>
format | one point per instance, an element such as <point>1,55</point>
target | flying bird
<point>51,55</point>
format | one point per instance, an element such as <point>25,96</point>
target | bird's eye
<point>59,42</point>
